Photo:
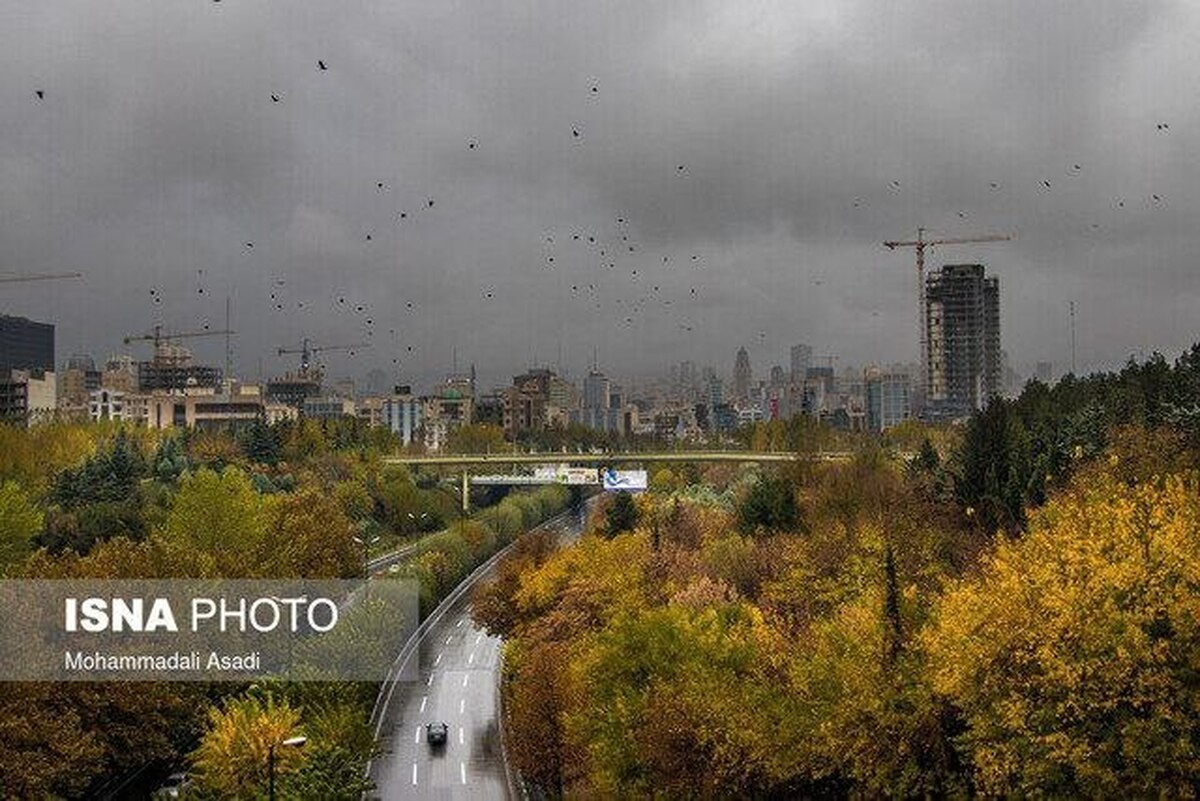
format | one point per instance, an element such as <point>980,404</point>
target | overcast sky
<point>753,154</point>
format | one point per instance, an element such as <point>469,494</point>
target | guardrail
<point>388,688</point>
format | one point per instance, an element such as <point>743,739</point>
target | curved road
<point>457,675</point>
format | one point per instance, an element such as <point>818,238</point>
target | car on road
<point>175,784</point>
<point>436,733</point>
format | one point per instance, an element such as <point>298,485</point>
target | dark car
<point>436,733</point>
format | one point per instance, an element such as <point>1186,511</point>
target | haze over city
<point>414,175</point>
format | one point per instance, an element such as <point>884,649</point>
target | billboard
<point>628,480</point>
<point>562,474</point>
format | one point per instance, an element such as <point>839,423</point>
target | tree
<point>1073,653</point>
<point>107,476</point>
<point>20,521</point>
<point>769,505</point>
<point>233,755</point>
<point>260,442</point>
<point>621,514</point>
<point>994,476</point>
<point>219,522</point>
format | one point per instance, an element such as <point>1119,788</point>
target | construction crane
<point>919,244</point>
<point>14,279</point>
<point>307,350</point>
<point>159,338</point>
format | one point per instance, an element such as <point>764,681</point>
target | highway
<point>458,668</point>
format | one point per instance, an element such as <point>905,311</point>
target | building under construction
<point>172,368</point>
<point>962,329</point>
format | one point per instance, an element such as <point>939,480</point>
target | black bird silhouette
<point>471,145</point>
<point>368,237</point>
<point>1162,126</point>
<point>430,203</point>
<point>404,215</point>
<point>321,65</point>
<point>994,185</point>
<point>250,244</point>
<point>274,98</point>
<point>1046,184</point>
<point>40,94</point>
<point>575,132</point>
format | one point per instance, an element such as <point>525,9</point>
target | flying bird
<point>41,95</point>
<point>274,98</point>
<point>321,65</point>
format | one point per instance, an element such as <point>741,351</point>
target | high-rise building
<point>888,400</point>
<point>962,327</point>
<point>596,391</point>
<point>742,374</point>
<point>25,345</point>
<point>801,361</point>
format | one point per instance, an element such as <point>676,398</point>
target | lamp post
<point>366,543</point>
<point>291,742</point>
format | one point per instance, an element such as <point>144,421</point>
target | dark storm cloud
<point>764,149</point>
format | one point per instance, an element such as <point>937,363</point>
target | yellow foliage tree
<point>233,756</point>
<point>1073,655</point>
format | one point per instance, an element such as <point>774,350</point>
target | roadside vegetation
<point>1014,611</point>
<point>292,500</point>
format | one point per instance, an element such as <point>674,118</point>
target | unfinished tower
<point>962,327</point>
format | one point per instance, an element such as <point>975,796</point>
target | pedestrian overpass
<point>468,462</point>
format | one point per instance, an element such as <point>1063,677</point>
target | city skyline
<point>447,159</point>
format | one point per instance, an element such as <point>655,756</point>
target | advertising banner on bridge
<point>628,480</point>
<point>562,474</point>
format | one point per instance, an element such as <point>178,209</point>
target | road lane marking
<point>437,661</point>
<point>471,658</point>
<point>430,682</point>
<point>448,639</point>
<point>465,679</point>
<point>460,735</point>
<point>424,698</point>
<point>480,637</point>
<point>414,773</point>
<point>462,706</point>
<point>459,623</point>
<point>417,738</point>
<point>462,771</point>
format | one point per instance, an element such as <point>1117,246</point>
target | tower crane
<point>14,279</point>
<point>919,244</point>
<point>307,350</point>
<point>158,337</point>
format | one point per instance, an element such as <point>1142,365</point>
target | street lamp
<point>291,742</point>
<point>366,543</point>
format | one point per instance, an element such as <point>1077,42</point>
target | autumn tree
<point>234,753</point>
<point>20,521</point>
<point>1073,654</point>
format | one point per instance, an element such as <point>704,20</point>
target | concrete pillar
<point>466,493</point>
